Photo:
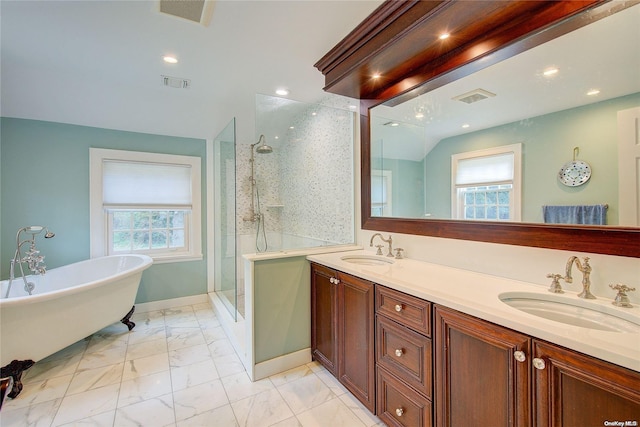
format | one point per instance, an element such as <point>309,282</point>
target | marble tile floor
<point>175,368</point>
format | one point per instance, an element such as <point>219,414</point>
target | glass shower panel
<point>306,184</point>
<point>225,218</point>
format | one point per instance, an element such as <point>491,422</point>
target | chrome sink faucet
<point>389,241</point>
<point>585,269</point>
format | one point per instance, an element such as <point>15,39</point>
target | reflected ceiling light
<point>282,92</point>
<point>392,124</point>
<point>593,92</point>
<point>352,107</point>
<point>419,115</point>
<point>444,36</point>
<point>170,59</point>
<point>314,113</point>
<point>465,126</point>
<point>550,72</point>
<point>291,127</point>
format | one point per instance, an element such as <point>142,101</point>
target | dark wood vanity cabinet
<point>404,363</point>
<point>478,380</point>
<point>490,375</point>
<point>572,389</point>
<point>342,335</point>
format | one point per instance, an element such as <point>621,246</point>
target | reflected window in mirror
<point>486,184</point>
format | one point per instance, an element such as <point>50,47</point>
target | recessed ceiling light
<point>282,92</point>
<point>444,36</point>
<point>376,75</point>
<point>550,71</point>
<point>170,59</point>
<point>593,92</point>
<point>419,115</point>
<point>466,125</point>
<point>314,113</point>
<point>291,127</point>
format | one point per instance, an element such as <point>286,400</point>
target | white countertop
<point>477,294</point>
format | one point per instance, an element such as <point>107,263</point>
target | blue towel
<point>581,214</point>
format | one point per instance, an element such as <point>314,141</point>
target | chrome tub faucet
<point>32,257</point>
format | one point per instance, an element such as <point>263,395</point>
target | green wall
<point>547,144</point>
<point>282,298</point>
<point>407,184</point>
<point>44,180</point>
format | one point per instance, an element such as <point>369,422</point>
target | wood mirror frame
<point>399,40</point>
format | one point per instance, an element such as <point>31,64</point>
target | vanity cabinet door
<point>342,330</point>
<point>478,381</point>
<point>356,364</point>
<point>324,317</point>
<point>572,389</point>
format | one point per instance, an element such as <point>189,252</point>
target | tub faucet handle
<point>622,300</point>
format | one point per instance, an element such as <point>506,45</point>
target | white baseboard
<point>171,303</point>
<point>281,364</point>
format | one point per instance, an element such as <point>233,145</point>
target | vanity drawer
<point>398,405</point>
<point>405,309</point>
<point>404,353</point>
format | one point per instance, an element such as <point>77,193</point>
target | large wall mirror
<point>536,138</point>
<point>496,148</point>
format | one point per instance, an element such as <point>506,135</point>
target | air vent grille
<point>176,82</point>
<point>194,10</point>
<point>474,96</point>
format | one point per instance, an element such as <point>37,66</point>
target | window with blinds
<point>145,203</point>
<point>486,184</point>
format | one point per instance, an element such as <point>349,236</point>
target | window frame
<point>457,211</point>
<point>100,223</point>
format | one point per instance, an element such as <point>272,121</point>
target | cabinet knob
<point>398,308</point>
<point>539,363</point>
<point>519,356</point>
<point>399,412</point>
<point>399,352</point>
<point>334,280</point>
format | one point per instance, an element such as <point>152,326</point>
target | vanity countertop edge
<point>477,294</point>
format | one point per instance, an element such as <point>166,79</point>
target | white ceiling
<point>99,63</point>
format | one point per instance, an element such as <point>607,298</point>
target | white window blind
<point>137,183</point>
<point>378,189</point>
<point>484,170</point>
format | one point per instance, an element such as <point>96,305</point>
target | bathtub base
<point>15,369</point>
<point>126,319</point>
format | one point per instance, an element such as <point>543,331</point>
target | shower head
<point>263,148</point>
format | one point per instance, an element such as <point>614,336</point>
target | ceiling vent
<point>474,96</point>
<point>176,82</point>
<point>199,11</point>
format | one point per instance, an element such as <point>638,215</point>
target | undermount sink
<point>571,310</point>
<point>367,259</point>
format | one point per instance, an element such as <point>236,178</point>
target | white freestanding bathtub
<point>68,304</point>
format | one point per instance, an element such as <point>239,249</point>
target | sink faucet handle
<point>555,284</point>
<point>622,300</point>
<point>379,251</point>
<point>399,253</point>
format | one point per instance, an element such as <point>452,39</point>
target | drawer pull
<point>399,352</point>
<point>398,308</point>
<point>519,356</point>
<point>399,412</point>
<point>539,363</point>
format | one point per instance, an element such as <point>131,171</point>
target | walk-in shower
<point>255,213</point>
<point>300,195</point>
